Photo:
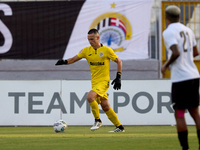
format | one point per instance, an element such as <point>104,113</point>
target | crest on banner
<point>114,29</point>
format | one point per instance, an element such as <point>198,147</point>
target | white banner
<point>34,103</point>
<point>123,25</point>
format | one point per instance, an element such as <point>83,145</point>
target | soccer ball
<point>60,126</point>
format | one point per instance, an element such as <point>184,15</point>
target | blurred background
<point>28,57</point>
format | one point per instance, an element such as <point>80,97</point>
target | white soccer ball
<point>60,126</point>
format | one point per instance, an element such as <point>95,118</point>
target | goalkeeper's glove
<point>61,62</point>
<point>117,81</point>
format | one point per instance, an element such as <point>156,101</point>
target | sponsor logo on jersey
<point>96,63</point>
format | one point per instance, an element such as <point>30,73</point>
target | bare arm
<point>68,61</point>
<point>119,64</point>
<point>174,56</point>
<point>195,51</point>
<point>117,80</point>
<point>73,59</point>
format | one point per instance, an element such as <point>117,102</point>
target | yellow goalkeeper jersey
<point>99,62</point>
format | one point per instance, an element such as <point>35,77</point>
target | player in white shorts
<point>181,46</point>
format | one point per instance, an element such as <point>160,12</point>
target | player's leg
<point>112,116</point>
<point>95,109</point>
<point>181,128</point>
<point>180,97</point>
<point>194,105</point>
<point>194,112</point>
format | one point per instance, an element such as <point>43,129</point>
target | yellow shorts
<point>101,89</point>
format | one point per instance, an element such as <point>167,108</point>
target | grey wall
<point>46,70</point>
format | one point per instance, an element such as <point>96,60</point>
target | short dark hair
<point>173,13</point>
<point>172,18</point>
<point>93,31</point>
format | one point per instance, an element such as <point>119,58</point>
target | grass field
<point>81,138</point>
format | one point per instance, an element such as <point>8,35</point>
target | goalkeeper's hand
<point>61,62</point>
<point>117,81</point>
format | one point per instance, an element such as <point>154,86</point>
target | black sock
<point>198,135</point>
<point>120,127</point>
<point>99,120</point>
<point>183,138</point>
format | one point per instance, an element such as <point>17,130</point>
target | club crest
<point>101,54</point>
<point>114,29</point>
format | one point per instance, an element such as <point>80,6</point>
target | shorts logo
<point>114,29</point>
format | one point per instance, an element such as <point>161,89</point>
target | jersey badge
<point>101,54</point>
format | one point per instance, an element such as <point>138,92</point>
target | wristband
<point>65,62</point>
<point>118,75</point>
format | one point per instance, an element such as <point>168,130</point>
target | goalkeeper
<point>98,57</point>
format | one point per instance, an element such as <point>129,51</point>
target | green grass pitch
<point>81,138</point>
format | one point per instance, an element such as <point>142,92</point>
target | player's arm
<point>119,64</point>
<point>117,80</point>
<point>174,56</point>
<point>73,59</point>
<point>68,61</point>
<point>195,51</point>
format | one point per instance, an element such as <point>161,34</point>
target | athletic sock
<point>198,135</point>
<point>183,138</point>
<point>121,127</point>
<point>95,109</point>
<point>99,120</point>
<point>112,116</point>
